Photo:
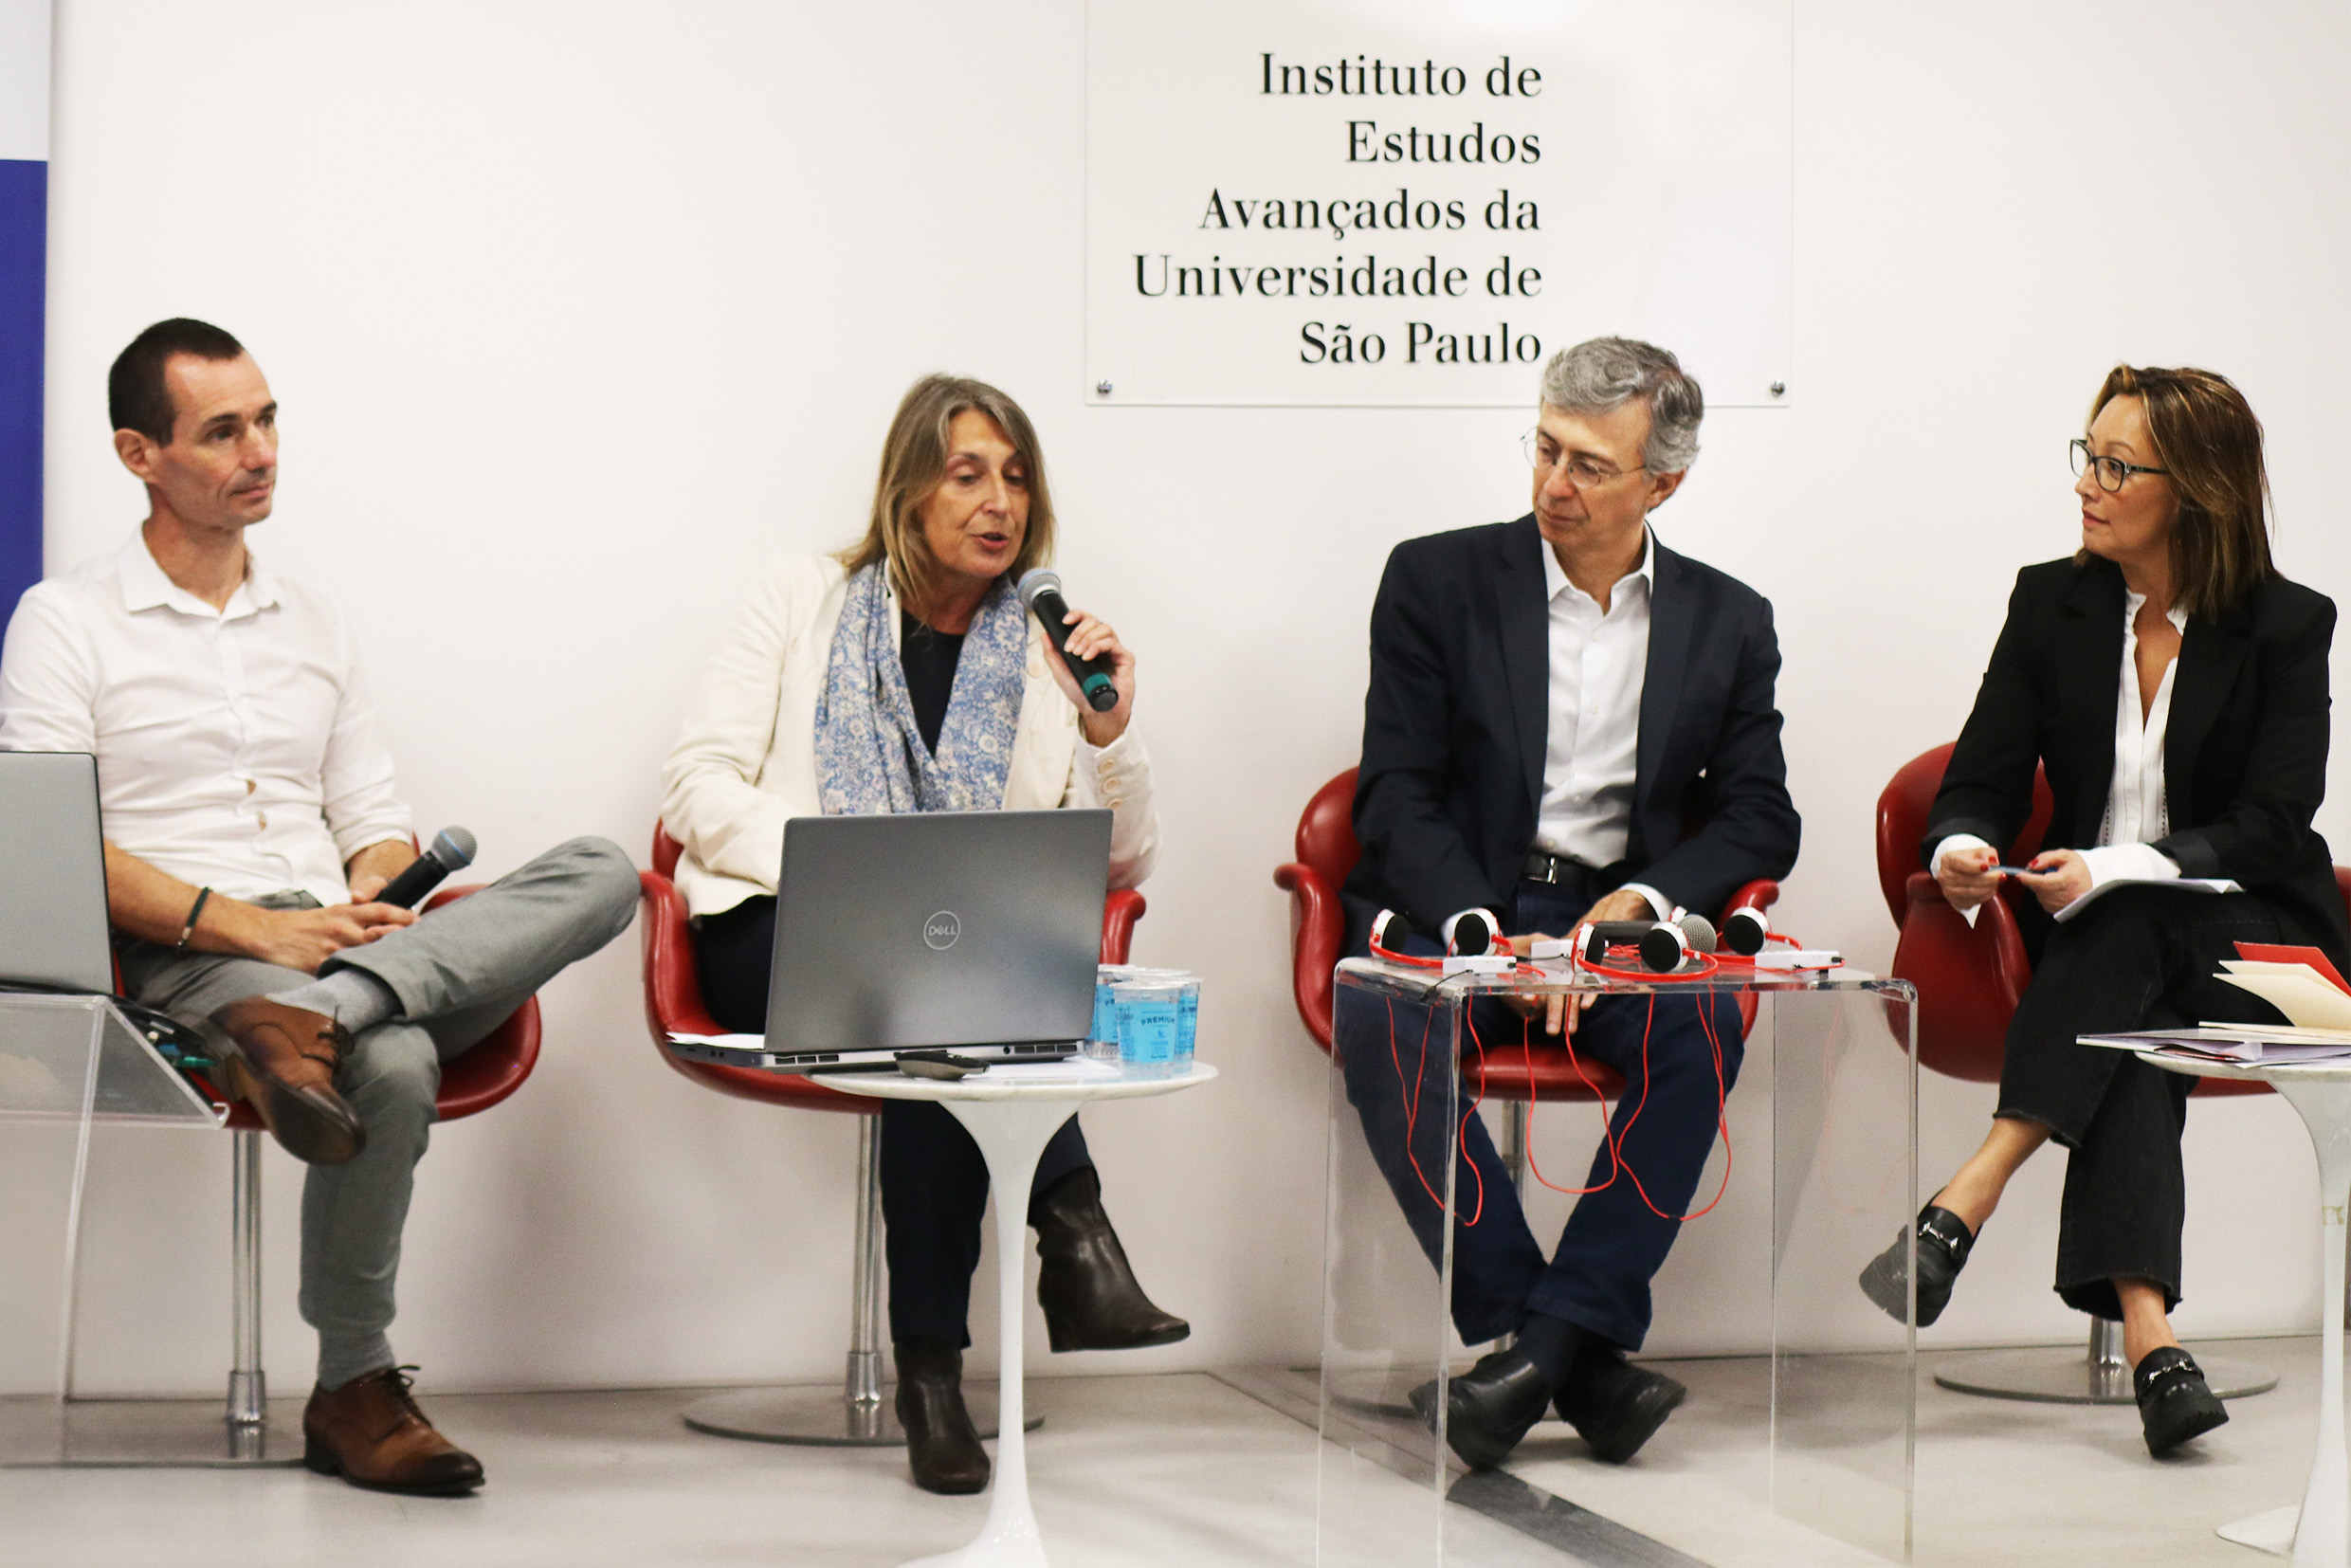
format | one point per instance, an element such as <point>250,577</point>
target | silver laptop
<point>52,874</point>
<point>977,932</point>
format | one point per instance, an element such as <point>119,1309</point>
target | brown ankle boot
<point>942,1444</point>
<point>283,1066</point>
<point>1087,1288</point>
<point>370,1432</point>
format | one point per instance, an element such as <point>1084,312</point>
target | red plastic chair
<point>1326,852</point>
<point>859,1415</point>
<point>471,1084</point>
<point>1969,979</point>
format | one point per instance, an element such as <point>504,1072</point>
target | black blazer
<point>2244,752</point>
<point>1456,721</point>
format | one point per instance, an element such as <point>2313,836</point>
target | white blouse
<point>2138,810</point>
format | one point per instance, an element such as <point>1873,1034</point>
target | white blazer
<point>745,761</point>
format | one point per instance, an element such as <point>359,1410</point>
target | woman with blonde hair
<point>2175,688</point>
<point>904,675</point>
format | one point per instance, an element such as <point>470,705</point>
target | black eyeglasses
<point>2112,471</point>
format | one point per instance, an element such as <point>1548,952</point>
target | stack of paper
<point>2300,982</point>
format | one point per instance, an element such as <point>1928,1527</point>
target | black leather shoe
<point>2175,1402</point>
<point>1085,1286</point>
<point>1615,1405</point>
<point>942,1444</point>
<point>1944,1242</point>
<point>1488,1408</point>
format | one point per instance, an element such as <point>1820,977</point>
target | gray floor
<point>1174,1470</point>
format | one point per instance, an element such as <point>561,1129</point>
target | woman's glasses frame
<point>2112,471</point>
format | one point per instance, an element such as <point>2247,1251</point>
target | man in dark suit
<point>1553,703</point>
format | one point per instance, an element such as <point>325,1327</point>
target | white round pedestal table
<point>2317,1534</point>
<point>1011,1120</point>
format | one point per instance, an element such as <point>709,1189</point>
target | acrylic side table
<point>1844,1181</point>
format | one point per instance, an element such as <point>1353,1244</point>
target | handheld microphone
<point>1743,931</point>
<point>1665,945</point>
<point>1040,593</point>
<point>453,849</point>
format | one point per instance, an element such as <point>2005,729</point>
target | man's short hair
<point>137,395</point>
<point>1603,375</point>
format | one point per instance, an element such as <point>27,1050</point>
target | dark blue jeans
<point>1663,1128</point>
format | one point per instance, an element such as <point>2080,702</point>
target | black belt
<point>1556,870</point>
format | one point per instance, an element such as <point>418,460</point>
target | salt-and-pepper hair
<point>1605,374</point>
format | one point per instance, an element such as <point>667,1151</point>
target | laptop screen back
<point>937,928</point>
<point>52,873</point>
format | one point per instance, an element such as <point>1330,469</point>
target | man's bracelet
<point>194,910</point>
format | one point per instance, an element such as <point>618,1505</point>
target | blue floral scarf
<point>869,752</point>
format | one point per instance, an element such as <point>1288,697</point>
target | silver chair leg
<point>860,1415</point>
<point>2100,1377</point>
<point>249,1392</point>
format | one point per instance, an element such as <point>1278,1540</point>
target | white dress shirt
<point>745,760</point>
<point>2138,809</point>
<point>236,748</point>
<point>1599,663</point>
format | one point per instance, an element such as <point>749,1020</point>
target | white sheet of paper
<point>1070,1069</point>
<point>724,1042</point>
<point>2184,884</point>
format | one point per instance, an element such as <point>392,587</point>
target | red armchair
<point>858,1416</point>
<point>1969,979</point>
<point>1326,852</point>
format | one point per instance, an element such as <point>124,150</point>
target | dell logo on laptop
<point>940,931</point>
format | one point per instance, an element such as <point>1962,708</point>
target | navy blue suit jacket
<point>1456,722</point>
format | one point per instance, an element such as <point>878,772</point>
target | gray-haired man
<point>250,823</point>
<point>1552,700</point>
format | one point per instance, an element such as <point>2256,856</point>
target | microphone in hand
<point>453,849</point>
<point>1040,593</point>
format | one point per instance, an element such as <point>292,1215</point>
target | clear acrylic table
<point>67,1065</point>
<point>1011,1120</point>
<point>2316,1532</point>
<point>1844,1172</point>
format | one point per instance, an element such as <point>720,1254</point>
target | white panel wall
<point>581,311</point>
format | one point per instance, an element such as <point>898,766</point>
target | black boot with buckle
<point>2175,1402</point>
<point>1944,1242</point>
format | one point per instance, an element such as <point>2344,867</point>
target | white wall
<point>581,311</point>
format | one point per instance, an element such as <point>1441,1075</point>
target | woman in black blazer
<point>2174,687</point>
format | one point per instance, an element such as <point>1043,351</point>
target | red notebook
<point>2272,952</point>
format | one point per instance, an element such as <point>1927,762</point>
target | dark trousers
<point>1678,1055</point>
<point>2139,958</point>
<point>934,1182</point>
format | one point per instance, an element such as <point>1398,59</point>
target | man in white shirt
<point>251,820</point>
<point>1566,721</point>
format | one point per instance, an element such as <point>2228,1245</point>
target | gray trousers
<point>458,973</point>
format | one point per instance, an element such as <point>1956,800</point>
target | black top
<point>929,658</point>
<point>2244,752</point>
<point>1457,719</point>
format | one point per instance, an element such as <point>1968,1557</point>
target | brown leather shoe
<point>283,1066</point>
<point>370,1432</point>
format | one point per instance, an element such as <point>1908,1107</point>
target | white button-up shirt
<point>1600,664</point>
<point>236,748</point>
<point>2138,809</point>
